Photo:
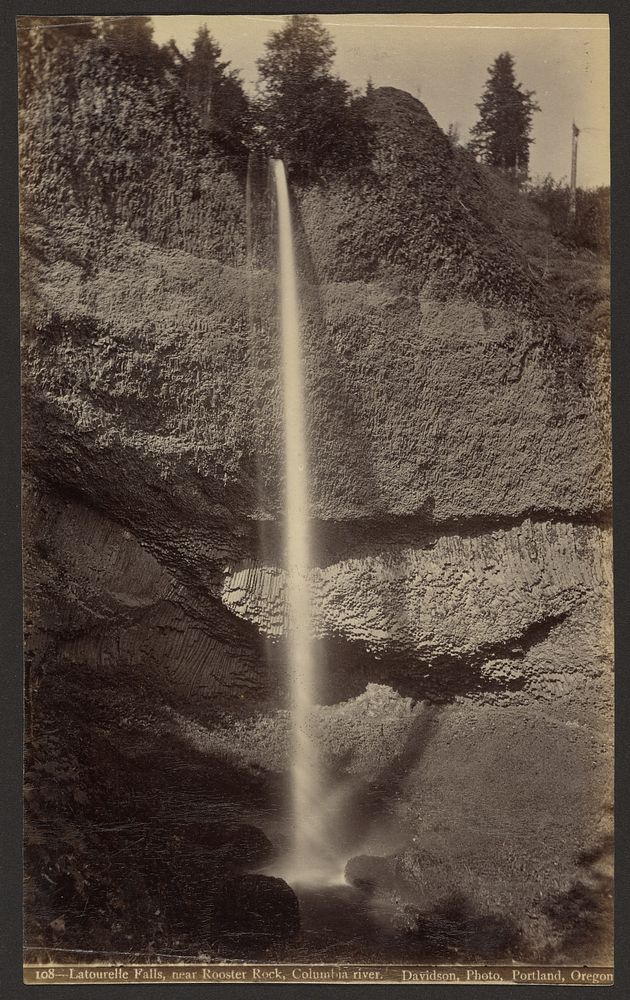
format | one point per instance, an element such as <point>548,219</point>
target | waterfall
<point>310,857</point>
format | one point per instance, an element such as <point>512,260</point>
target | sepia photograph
<point>316,498</point>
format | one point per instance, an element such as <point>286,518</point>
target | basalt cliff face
<point>457,375</point>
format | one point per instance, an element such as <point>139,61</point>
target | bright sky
<point>443,60</point>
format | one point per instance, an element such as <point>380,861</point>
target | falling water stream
<point>311,858</point>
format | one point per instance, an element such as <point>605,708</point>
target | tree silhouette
<point>453,134</point>
<point>502,136</point>
<point>203,73</point>
<point>217,94</point>
<point>309,116</point>
<point>131,35</point>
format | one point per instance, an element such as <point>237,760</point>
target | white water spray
<point>311,858</point>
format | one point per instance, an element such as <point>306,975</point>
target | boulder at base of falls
<point>370,872</point>
<point>255,910</point>
<point>242,844</point>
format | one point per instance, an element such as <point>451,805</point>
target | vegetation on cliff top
<point>114,153</point>
<point>307,115</point>
<point>137,357</point>
<point>502,136</point>
<point>106,142</point>
<point>118,130</point>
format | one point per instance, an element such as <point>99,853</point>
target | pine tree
<point>203,73</point>
<point>216,92</point>
<point>132,35</point>
<point>502,136</point>
<point>453,134</point>
<point>309,116</point>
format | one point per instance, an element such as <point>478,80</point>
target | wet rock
<point>259,907</point>
<point>242,844</point>
<point>251,845</point>
<point>371,873</point>
<point>468,403</point>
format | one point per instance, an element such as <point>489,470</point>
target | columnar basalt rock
<point>459,450</point>
<point>462,593</point>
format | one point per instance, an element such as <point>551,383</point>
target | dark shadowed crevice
<point>335,541</point>
<point>438,680</point>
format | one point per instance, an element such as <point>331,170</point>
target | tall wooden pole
<point>574,146</point>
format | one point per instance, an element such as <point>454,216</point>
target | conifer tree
<point>309,116</point>
<point>217,94</point>
<point>203,73</point>
<point>453,134</point>
<point>132,35</point>
<point>502,136</point>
